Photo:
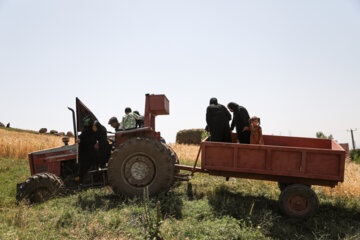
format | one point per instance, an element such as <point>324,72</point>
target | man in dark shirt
<point>114,123</point>
<point>241,122</point>
<point>217,119</point>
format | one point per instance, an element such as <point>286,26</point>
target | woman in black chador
<point>240,121</point>
<point>87,151</point>
<point>103,153</point>
<point>217,119</point>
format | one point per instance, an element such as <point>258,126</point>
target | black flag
<point>83,115</point>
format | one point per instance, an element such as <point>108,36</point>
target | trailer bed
<point>309,161</point>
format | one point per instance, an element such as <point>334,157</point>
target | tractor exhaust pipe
<point>74,123</point>
<point>75,134</point>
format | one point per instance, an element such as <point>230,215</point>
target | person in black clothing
<point>217,119</point>
<point>104,148</point>
<point>240,121</point>
<point>139,122</point>
<point>87,151</point>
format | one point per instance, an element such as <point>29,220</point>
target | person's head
<point>113,122</point>
<point>213,101</point>
<point>137,112</point>
<point>127,110</point>
<point>232,106</point>
<point>255,121</point>
<point>95,126</point>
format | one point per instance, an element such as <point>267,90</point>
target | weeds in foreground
<point>151,223</point>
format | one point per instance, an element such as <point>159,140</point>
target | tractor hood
<point>49,160</point>
<point>52,152</point>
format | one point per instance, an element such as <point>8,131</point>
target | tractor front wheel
<point>39,188</point>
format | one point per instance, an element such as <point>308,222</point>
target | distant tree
<point>355,155</point>
<point>322,135</point>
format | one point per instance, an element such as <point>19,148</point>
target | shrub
<point>355,155</point>
<point>190,136</point>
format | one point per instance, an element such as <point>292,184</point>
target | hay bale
<point>43,130</point>
<point>190,136</point>
<point>61,134</point>
<point>53,132</point>
<point>69,134</point>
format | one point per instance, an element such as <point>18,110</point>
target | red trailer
<point>295,163</point>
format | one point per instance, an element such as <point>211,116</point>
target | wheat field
<point>17,145</point>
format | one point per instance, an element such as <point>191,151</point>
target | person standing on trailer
<point>256,136</point>
<point>240,121</point>
<point>217,119</point>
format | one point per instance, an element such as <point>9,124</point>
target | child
<point>256,132</point>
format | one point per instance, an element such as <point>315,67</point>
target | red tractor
<point>140,159</point>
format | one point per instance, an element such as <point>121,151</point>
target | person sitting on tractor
<point>114,123</point>
<point>129,120</point>
<point>140,122</point>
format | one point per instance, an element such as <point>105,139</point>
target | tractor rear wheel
<point>175,160</point>
<point>139,163</point>
<point>39,188</point>
<point>298,201</point>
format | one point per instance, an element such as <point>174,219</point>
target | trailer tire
<point>139,163</point>
<point>298,201</point>
<point>282,185</point>
<point>39,188</point>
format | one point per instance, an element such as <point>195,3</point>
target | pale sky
<point>295,64</point>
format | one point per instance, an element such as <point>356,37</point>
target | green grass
<point>214,209</point>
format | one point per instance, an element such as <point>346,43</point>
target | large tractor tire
<point>298,201</point>
<point>176,160</point>
<point>39,188</point>
<point>139,163</point>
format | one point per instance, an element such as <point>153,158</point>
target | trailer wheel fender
<point>298,201</point>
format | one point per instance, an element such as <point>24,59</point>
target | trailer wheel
<point>282,185</point>
<point>298,201</point>
<point>140,163</point>
<point>39,188</point>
